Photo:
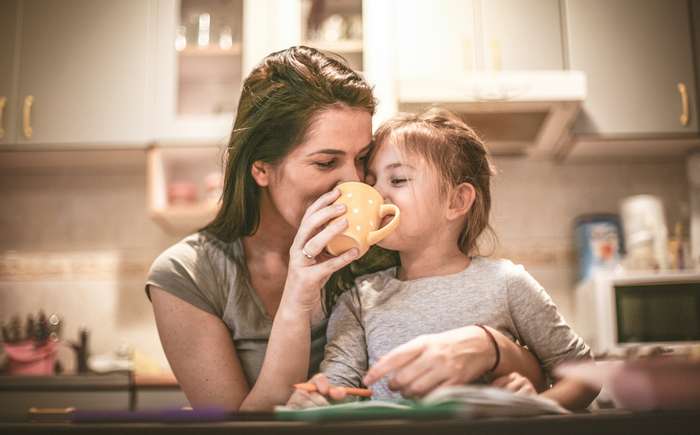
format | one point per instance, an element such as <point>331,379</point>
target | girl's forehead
<point>392,151</point>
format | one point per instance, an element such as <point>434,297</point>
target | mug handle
<point>378,235</point>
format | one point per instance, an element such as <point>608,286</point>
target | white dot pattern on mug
<point>371,201</point>
<point>359,227</point>
<point>349,194</point>
<point>356,210</point>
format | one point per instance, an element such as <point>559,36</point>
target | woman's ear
<point>461,198</point>
<point>261,172</point>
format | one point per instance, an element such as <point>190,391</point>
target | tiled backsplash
<point>77,240</point>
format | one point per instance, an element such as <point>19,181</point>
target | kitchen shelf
<point>342,46</point>
<point>235,50</point>
<point>166,165</point>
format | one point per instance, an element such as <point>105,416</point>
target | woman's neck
<point>273,237</point>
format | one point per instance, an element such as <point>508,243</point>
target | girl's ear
<point>461,200</point>
<point>261,172</point>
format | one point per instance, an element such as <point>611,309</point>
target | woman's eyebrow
<point>337,152</point>
<point>330,151</point>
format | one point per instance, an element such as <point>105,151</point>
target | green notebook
<point>464,401</point>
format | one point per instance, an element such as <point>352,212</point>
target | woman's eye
<point>325,165</point>
<point>398,181</point>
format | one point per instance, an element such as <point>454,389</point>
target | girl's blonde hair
<point>459,156</point>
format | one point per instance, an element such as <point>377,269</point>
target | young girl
<point>436,170</point>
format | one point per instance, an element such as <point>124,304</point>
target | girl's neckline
<point>395,272</point>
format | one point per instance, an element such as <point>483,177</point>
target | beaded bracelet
<point>495,345</point>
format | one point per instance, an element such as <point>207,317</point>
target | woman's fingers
<point>317,243</point>
<point>425,383</point>
<point>311,224</point>
<point>329,266</point>
<point>410,372</point>
<point>502,381</point>
<point>322,201</point>
<point>394,360</point>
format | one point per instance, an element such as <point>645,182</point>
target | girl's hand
<point>304,399</point>
<point>516,383</point>
<point>309,266</point>
<point>455,357</point>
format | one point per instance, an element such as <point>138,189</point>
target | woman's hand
<point>455,357</point>
<point>309,266</point>
<point>304,399</point>
<point>516,383</point>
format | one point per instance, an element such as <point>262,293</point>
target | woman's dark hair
<point>279,100</point>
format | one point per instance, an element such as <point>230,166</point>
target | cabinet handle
<point>685,116</point>
<point>27,116</point>
<point>3,100</point>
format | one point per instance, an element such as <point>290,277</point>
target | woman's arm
<point>454,357</point>
<point>199,347</point>
<point>200,351</point>
<point>571,394</point>
<point>516,358</point>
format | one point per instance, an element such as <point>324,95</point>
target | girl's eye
<point>325,165</point>
<point>362,159</point>
<point>398,181</point>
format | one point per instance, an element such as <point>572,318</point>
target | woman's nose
<point>352,173</point>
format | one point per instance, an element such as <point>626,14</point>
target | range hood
<point>516,112</point>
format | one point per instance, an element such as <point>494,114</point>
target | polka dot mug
<point>365,211</point>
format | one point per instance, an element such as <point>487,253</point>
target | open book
<point>469,401</point>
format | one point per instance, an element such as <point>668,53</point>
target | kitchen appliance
<point>646,234</point>
<point>616,311</point>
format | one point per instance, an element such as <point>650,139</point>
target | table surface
<point>610,422</point>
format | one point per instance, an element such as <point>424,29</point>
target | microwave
<point>615,311</point>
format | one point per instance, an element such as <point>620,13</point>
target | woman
<point>240,306</point>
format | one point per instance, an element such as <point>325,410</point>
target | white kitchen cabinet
<point>521,35</point>
<point>8,92</point>
<point>83,76</point>
<point>434,37</point>
<point>638,59</point>
<point>453,37</point>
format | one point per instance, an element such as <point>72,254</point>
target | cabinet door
<point>435,37</point>
<point>521,35</point>
<point>8,97</point>
<point>634,53</point>
<point>85,63</point>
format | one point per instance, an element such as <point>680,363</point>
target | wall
<point>76,238</point>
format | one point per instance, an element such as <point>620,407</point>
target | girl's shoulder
<point>376,280</point>
<point>499,266</point>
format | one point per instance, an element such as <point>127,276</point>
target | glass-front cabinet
<point>334,26</point>
<point>198,70</point>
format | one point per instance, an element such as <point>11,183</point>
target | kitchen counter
<point>615,422</point>
<point>119,391</point>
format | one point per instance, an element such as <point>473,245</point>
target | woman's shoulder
<point>195,268</point>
